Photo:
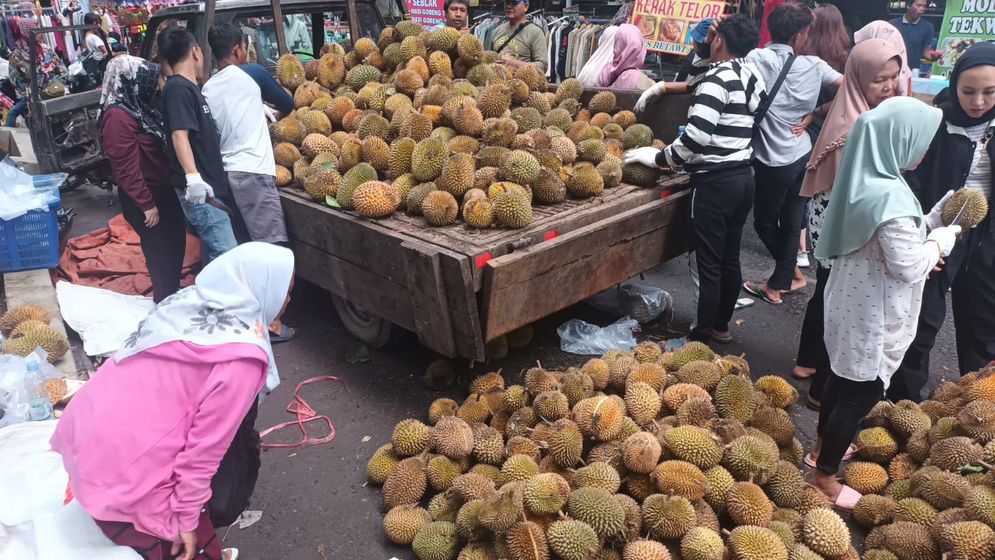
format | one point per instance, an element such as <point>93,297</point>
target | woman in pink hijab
<point>888,32</point>
<point>872,75</point>
<point>624,71</point>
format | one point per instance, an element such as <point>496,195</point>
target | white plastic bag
<point>34,523</point>
<point>18,195</point>
<point>581,337</point>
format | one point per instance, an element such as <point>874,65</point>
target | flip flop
<point>847,499</point>
<point>802,377</point>
<point>812,404</point>
<point>233,554</point>
<point>753,290</point>
<point>286,334</point>
<point>850,452</point>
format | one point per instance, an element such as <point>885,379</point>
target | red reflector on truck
<point>483,259</point>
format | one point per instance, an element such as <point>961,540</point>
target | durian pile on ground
<point>27,328</point>
<point>925,472</point>
<point>427,123</point>
<point>647,455</point>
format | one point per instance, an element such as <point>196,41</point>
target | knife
<point>956,220</point>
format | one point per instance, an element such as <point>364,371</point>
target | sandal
<point>796,375</point>
<point>752,289</point>
<point>812,404</point>
<point>850,452</point>
<point>229,554</point>
<point>847,499</point>
<point>727,339</point>
<point>286,334</point>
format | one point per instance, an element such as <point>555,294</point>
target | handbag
<point>233,484</point>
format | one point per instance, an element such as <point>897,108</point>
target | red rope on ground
<point>305,414</point>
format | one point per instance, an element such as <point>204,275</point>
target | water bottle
<point>680,168</point>
<point>40,407</point>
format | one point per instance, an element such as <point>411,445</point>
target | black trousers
<point>812,351</point>
<point>973,303</point>
<point>720,205</point>
<point>163,245</point>
<point>844,405</point>
<point>777,211</point>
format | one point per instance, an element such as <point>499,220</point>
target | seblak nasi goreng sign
<point>665,24</point>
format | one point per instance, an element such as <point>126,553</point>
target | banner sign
<point>665,24</point>
<point>965,22</point>
<point>429,13</point>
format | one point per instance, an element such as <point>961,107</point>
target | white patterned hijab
<point>234,299</point>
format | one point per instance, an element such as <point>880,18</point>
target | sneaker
<point>802,259</point>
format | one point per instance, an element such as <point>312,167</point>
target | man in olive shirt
<point>519,41</point>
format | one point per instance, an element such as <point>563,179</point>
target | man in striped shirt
<point>715,149</point>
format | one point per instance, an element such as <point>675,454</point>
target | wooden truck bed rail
<point>457,288</point>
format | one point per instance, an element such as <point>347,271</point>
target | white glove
<point>198,191</point>
<point>934,219</point>
<point>271,114</point>
<point>945,238</point>
<point>645,156</point>
<point>650,94</point>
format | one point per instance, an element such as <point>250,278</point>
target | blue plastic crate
<point>31,241</point>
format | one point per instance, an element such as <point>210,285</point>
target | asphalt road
<point>314,502</point>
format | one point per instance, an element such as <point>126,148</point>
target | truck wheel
<point>371,329</point>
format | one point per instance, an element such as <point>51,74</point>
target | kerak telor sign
<point>665,24</point>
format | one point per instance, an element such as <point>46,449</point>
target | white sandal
<point>229,554</point>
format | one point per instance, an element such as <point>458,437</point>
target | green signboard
<point>965,22</point>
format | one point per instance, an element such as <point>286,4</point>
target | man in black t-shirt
<point>195,145</point>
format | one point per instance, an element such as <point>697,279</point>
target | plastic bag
<point>581,337</point>
<point>639,300</point>
<point>18,195</point>
<point>15,397</point>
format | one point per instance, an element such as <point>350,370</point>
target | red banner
<point>429,13</point>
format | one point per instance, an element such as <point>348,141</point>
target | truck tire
<point>372,330</point>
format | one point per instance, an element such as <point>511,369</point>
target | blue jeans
<point>212,226</point>
<point>19,108</point>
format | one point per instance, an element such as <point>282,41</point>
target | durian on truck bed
<point>457,287</point>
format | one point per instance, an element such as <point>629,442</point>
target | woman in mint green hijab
<point>875,231</point>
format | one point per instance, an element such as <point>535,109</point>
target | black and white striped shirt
<point>720,121</point>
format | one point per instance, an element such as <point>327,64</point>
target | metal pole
<point>205,45</point>
<point>354,34</point>
<point>281,30</point>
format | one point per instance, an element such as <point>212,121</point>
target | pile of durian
<point>642,455</point>
<point>27,328</point>
<point>428,123</point>
<point>925,472</point>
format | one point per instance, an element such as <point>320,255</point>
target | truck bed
<point>458,288</point>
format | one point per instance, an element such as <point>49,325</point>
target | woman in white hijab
<point>601,58</point>
<point>144,439</point>
<point>876,231</point>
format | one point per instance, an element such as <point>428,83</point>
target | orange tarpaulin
<point>111,258</point>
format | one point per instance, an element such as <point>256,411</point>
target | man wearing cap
<point>689,74</point>
<point>519,41</point>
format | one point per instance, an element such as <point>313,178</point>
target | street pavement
<point>314,501</point>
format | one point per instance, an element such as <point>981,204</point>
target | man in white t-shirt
<point>235,95</point>
<point>236,101</point>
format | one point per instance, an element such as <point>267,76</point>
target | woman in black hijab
<point>959,157</point>
<point>132,136</point>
